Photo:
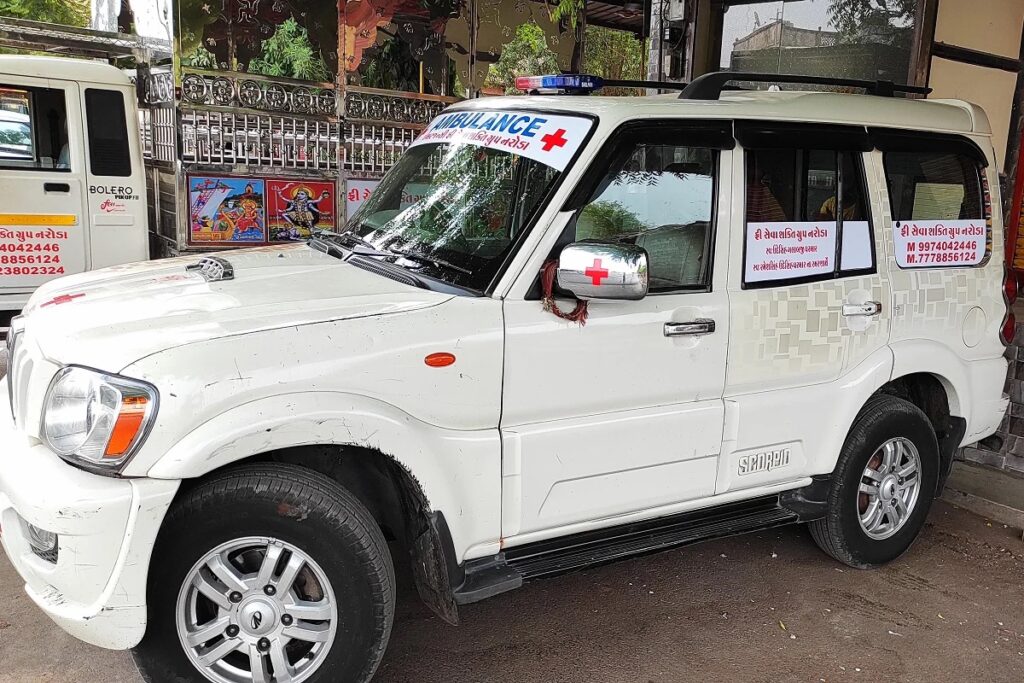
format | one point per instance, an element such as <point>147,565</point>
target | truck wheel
<point>267,573</point>
<point>883,485</point>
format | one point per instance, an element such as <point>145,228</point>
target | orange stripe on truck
<point>38,219</point>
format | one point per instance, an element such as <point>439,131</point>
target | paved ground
<point>762,607</point>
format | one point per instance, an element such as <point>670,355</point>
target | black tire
<point>840,533</point>
<point>296,506</point>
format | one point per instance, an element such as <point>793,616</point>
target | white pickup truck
<point>72,189</point>
<point>564,330</point>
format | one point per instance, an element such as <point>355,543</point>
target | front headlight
<point>101,419</point>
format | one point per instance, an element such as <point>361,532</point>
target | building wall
<point>991,88</point>
<point>784,33</point>
<point>993,27</point>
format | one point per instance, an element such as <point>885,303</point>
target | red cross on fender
<point>596,273</point>
<point>552,140</point>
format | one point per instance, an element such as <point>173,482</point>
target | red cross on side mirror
<point>596,273</point>
<point>598,270</point>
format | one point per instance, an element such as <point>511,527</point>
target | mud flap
<point>430,569</point>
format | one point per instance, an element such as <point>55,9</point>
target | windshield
<point>453,205</point>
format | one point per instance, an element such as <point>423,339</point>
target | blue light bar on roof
<point>562,82</point>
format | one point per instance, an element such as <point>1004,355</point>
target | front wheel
<point>268,574</point>
<point>883,485</point>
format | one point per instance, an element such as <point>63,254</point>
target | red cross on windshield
<point>596,273</point>
<point>555,139</point>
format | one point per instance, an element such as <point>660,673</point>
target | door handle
<point>865,309</point>
<point>56,187</point>
<point>699,326</point>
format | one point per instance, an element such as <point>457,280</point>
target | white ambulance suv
<point>564,330</point>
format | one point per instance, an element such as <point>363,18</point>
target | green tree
<point>616,55</point>
<point>391,66</point>
<point>877,21</point>
<point>527,54</point>
<point>67,12</point>
<point>565,10</point>
<point>289,53</point>
<point>200,58</point>
<point>603,219</point>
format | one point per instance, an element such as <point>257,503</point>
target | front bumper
<point>106,527</point>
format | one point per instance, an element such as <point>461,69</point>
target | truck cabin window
<point>453,210</point>
<point>109,152</point>
<point>33,129</point>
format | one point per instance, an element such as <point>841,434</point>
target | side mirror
<point>599,270</point>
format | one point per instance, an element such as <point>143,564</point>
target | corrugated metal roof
<point>615,14</point>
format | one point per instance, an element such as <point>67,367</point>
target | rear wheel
<point>883,485</point>
<point>268,574</point>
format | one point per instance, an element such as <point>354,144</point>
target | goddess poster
<point>298,207</point>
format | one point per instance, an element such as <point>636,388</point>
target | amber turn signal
<point>439,360</point>
<point>126,428</point>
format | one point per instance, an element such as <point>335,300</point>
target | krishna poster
<point>226,210</point>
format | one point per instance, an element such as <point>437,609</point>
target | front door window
<point>661,199</point>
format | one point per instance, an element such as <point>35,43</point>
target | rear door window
<point>807,218</point>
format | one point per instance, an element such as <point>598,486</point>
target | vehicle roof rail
<point>658,85</point>
<point>710,85</point>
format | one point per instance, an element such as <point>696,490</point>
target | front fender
<point>458,471</point>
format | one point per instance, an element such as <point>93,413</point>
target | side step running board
<point>506,571</point>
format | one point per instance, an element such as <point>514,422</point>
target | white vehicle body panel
<point>541,428</point>
<point>613,417</point>
<point>93,221</point>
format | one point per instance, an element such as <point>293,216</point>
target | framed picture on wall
<point>295,208</point>
<point>226,210</point>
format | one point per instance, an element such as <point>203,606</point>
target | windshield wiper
<point>349,237</point>
<point>357,246</point>
<point>419,256</point>
<point>344,245</point>
<point>329,248</point>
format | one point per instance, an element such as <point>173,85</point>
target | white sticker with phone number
<point>547,138</point>
<point>924,244</point>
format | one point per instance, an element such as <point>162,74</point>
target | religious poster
<point>295,208</point>
<point>226,210</point>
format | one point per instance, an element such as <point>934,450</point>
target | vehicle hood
<point>110,318</point>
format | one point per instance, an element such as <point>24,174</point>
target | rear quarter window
<point>941,209</point>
